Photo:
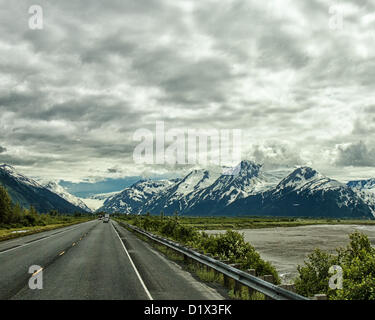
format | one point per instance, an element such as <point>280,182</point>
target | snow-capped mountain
<point>368,184</point>
<point>28,192</point>
<point>366,190</point>
<point>11,172</point>
<point>247,179</point>
<point>135,197</point>
<point>59,190</point>
<point>200,192</point>
<point>247,190</point>
<point>306,179</point>
<point>305,192</point>
<point>179,195</point>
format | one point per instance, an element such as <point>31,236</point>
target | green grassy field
<point>238,223</point>
<point>220,223</point>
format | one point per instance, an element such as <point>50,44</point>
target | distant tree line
<point>14,216</point>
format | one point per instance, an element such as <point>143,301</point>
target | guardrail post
<point>226,281</point>
<point>237,287</point>
<point>208,269</point>
<point>216,273</point>
<point>250,290</point>
<point>226,278</point>
<point>251,271</point>
<point>268,278</point>
<point>186,259</point>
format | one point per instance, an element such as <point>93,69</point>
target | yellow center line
<point>36,272</point>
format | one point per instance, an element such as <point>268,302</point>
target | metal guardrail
<point>268,289</point>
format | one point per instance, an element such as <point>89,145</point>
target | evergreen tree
<point>53,213</point>
<point>18,213</point>
<point>33,212</point>
<point>176,215</point>
<point>31,216</point>
<point>5,206</point>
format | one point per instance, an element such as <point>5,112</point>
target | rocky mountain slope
<point>60,191</point>
<point>27,192</point>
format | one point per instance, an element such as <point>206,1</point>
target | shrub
<point>314,276</point>
<point>358,263</point>
<point>167,228</point>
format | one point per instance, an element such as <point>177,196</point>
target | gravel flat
<point>285,248</point>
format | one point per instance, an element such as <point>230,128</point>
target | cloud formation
<point>296,83</point>
<point>356,154</point>
<point>276,154</point>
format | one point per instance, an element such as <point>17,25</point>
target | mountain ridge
<point>54,187</point>
<point>253,191</point>
<point>28,192</point>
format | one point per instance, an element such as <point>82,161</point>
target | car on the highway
<point>106,218</point>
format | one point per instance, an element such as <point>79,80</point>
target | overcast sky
<point>298,78</point>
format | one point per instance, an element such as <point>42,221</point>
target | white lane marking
<point>133,265</point>
<point>26,244</point>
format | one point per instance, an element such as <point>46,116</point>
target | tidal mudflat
<point>286,248</point>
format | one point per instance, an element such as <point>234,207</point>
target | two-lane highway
<point>93,260</point>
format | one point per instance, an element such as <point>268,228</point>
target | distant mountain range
<point>304,192</point>
<point>59,190</point>
<point>97,200</point>
<point>251,190</point>
<point>368,185</point>
<point>27,192</point>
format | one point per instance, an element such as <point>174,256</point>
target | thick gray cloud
<point>2,149</point>
<point>356,154</point>
<point>73,94</point>
<point>276,154</point>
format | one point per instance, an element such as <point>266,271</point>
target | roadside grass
<point>244,294</point>
<point>12,233</point>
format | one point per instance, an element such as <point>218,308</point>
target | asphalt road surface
<point>93,260</point>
